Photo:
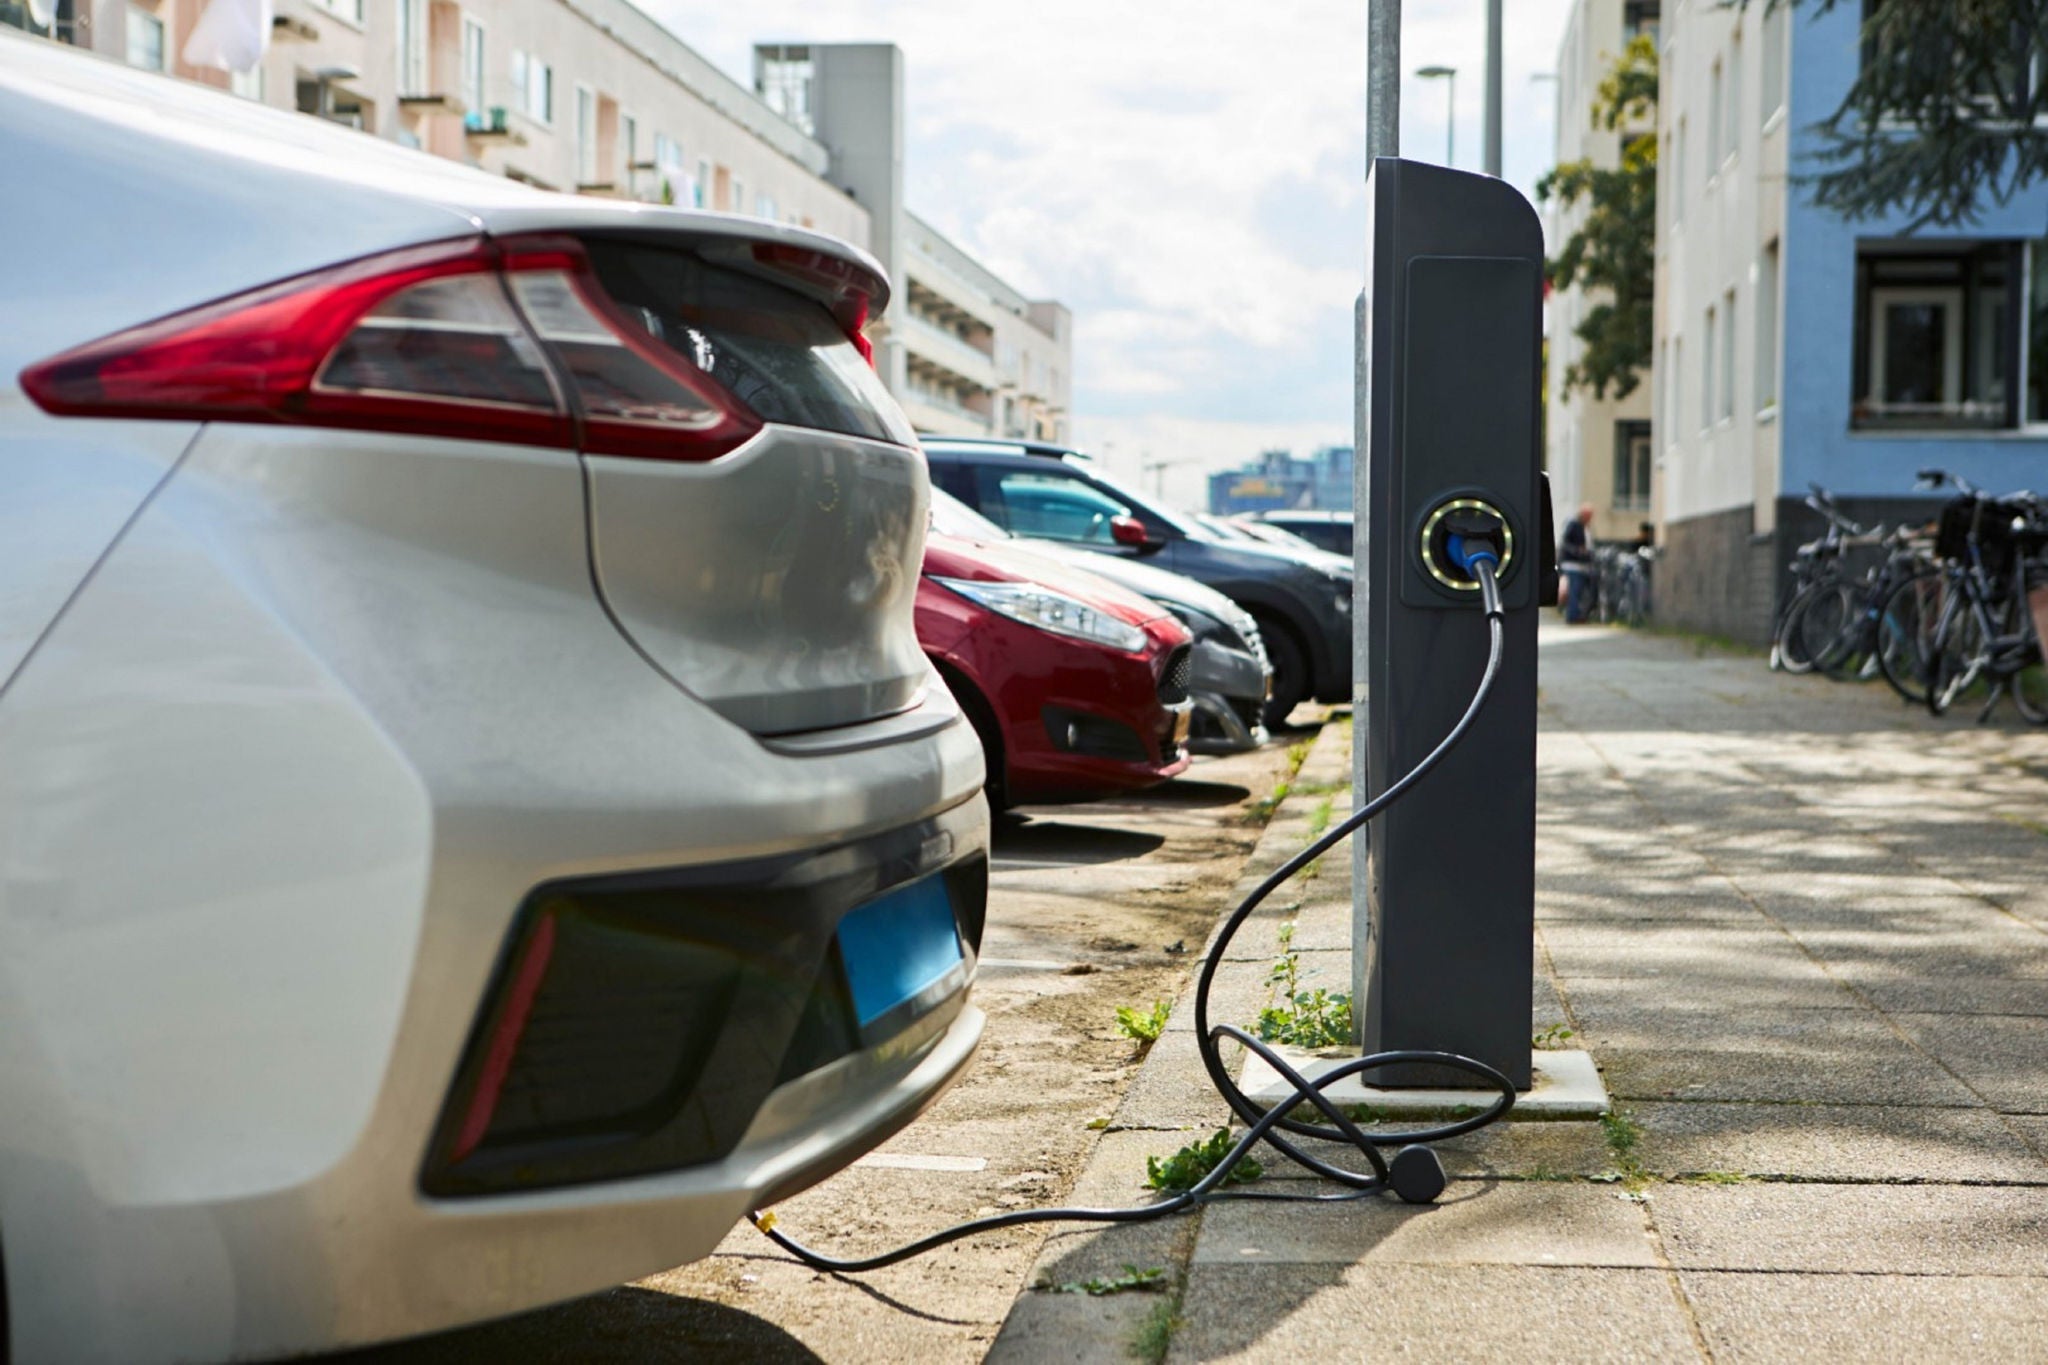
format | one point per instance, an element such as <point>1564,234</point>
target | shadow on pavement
<point>1024,837</point>
<point>628,1326</point>
<point>1192,794</point>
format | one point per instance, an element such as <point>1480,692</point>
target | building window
<point>533,87</point>
<point>1714,114</point>
<point>782,78</point>
<point>739,195</point>
<point>1639,20</point>
<point>1772,75</point>
<point>1675,393</point>
<point>764,206</point>
<point>1677,186</point>
<point>412,47</point>
<point>145,39</point>
<point>586,135</point>
<point>1707,375</point>
<point>1731,138</point>
<point>1937,335</point>
<point>1767,329</point>
<point>1631,466</point>
<point>472,65</point>
<point>701,188</point>
<point>1727,408</point>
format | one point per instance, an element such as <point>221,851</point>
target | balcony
<point>492,125</point>
<point>944,350</point>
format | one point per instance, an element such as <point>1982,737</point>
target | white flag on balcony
<point>232,34</point>
<point>42,13</point>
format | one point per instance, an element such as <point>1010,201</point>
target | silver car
<point>475,819</point>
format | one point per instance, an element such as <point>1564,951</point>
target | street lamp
<point>1449,75</point>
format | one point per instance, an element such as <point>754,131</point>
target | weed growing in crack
<point>1186,1167</point>
<point>1303,1018</point>
<point>1143,1027</point>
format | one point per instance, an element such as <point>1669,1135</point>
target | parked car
<point>1078,688</point>
<point>1246,530</point>
<point>1052,492</point>
<point>477,817</point>
<point>1229,679</point>
<point>1329,531</point>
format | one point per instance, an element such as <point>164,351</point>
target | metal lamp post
<point>1449,75</point>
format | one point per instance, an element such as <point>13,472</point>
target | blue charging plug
<point>1467,554</point>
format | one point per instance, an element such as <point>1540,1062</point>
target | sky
<point>1187,177</point>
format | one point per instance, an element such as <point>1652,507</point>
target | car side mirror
<point>1129,531</point>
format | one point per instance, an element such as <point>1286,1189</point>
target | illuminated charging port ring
<point>1444,523</point>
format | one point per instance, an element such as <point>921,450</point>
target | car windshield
<point>952,517</point>
<point>1179,521</point>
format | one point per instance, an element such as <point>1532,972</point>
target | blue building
<point>1280,479</point>
<point>1792,346</point>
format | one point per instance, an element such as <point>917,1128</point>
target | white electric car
<point>474,816</point>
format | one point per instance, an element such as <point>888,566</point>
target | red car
<point>1078,688</point>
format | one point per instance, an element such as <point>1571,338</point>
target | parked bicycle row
<point>1608,583</point>
<point>1946,611</point>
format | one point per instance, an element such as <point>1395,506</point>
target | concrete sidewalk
<point>1804,932</point>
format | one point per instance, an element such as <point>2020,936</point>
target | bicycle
<point>1970,621</point>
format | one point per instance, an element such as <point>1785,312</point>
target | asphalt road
<point>1091,907</point>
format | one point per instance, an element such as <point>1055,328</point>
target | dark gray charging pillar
<point>1444,918</point>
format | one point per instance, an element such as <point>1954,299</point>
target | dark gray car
<point>1050,492</point>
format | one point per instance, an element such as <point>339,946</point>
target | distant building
<point>1794,346</point>
<point>964,351</point>
<point>1280,479</point>
<point>595,97</point>
<point>1598,449</point>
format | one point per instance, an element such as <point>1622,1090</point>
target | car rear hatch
<point>757,504</point>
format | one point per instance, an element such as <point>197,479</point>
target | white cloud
<point>1188,178</point>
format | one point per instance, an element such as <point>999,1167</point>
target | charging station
<point>1444,918</point>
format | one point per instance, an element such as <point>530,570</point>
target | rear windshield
<point>778,351</point>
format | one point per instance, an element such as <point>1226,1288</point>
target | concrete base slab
<point>1566,1086</point>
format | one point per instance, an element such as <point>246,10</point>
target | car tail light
<point>475,339</point>
<point>852,288</point>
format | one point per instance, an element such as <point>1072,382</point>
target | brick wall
<point>1714,576</point>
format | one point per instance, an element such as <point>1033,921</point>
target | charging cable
<point>1413,1173</point>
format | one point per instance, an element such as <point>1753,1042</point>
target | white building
<point>1597,449</point>
<point>966,353</point>
<point>594,97</point>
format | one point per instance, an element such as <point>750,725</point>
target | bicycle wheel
<point>1798,643</point>
<point>1959,656</point>
<point>1905,634</point>
<point>1830,624</point>
<point>2029,689</point>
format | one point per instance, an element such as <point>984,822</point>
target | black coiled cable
<point>1268,1125</point>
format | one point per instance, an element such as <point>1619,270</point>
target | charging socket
<point>1453,529</point>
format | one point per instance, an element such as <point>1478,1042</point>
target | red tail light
<point>475,339</point>
<point>849,288</point>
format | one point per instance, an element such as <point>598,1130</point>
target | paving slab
<point>1592,997</point>
<point>1871,1319</point>
<point>1430,1313</point>
<point>1864,1229</point>
<point>1834,1142</point>
<point>1529,1222</point>
<point>2004,1058</point>
<point>1706,952</point>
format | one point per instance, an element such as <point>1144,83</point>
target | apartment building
<point>1597,449</point>
<point>1281,480</point>
<point>965,352</point>
<point>1793,346</point>
<point>594,97</point>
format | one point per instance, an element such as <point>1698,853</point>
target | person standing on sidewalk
<point>1575,562</point>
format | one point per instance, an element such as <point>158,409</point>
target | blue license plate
<point>900,948</point>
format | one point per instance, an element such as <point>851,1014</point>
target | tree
<point>1614,248</point>
<point>1943,117</point>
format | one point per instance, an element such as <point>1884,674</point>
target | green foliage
<point>1612,253</point>
<point>1553,1037</point>
<point>1155,1334</point>
<point>1185,1168</point>
<point>1624,1134</point>
<point>1302,1018</point>
<point>1261,810</point>
<point>1150,1280</point>
<point>1941,121</point>
<point>1144,1028</point>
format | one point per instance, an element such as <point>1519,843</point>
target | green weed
<point>1150,1280</point>
<point>1143,1027</point>
<point>1553,1037</point>
<point>1186,1167</point>
<point>1303,1018</point>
